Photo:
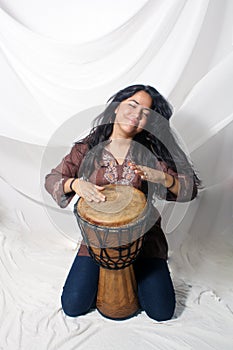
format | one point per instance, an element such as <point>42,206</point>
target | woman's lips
<point>133,121</point>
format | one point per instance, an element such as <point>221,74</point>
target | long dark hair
<point>157,137</point>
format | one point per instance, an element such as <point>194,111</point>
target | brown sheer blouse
<point>107,171</point>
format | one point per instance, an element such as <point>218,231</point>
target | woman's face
<point>132,114</point>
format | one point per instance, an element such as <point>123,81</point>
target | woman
<point>131,143</point>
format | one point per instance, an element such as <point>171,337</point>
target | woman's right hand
<point>88,191</point>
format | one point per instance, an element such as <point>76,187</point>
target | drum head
<point>123,205</point>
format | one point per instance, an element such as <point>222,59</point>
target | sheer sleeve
<point>69,167</point>
<point>188,188</point>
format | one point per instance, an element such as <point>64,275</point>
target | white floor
<point>34,265</point>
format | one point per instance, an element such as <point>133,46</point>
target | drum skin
<point>113,231</point>
<point>123,205</point>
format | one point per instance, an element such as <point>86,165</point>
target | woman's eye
<point>132,105</point>
<point>146,114</point>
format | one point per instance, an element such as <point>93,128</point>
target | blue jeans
<point>155,289</point>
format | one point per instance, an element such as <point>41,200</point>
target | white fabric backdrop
<point>59,63</point>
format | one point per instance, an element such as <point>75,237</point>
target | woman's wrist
<point>70,185</point>
<point>169,181</point>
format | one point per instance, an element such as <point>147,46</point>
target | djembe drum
<point>113,232</point>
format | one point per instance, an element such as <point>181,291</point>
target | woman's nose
<point>137,113</point>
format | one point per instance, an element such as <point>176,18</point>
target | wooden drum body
<point>113,232</point>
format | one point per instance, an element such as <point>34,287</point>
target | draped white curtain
<point>59,63</point>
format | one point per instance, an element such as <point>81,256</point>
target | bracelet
<point>173,183</point>
<point>71,183</point>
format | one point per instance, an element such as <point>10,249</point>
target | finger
<point>91,196</point>
<point>133,166</point>
<point>137,168</point>
<point>97,200</point>
<point>99,195</point>
<point>100,188</point>
<point>139,172</point>
<point>94,197</point>
<point>88,198</point>
<point>142,174</point>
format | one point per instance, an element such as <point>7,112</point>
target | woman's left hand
<point>148,174</point>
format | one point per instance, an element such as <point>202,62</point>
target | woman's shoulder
<point>81,146</point>
<point>77,151</point>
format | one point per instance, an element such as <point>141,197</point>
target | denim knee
<point>160,314</point>
<point>74,306</point>
<point>79,291</point>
